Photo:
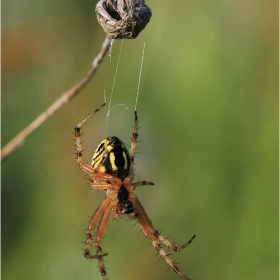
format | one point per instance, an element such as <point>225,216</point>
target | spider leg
<point>100,234</point>
<point>113,184</point>
<point>142,183</point>
<point>153,234</point>
<point>99,213</point>
<point>171,245</point>
<point>82,165</point>
<point>133,143</point>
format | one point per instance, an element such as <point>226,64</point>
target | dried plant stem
<point>64,99</point>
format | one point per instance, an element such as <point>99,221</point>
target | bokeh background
<point>208,108</point>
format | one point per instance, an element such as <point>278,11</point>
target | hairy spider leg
<point>133,144</point>
<point>171,245</point>
<point>102,213</point>
<point>83,166</point>
<point>153,234</point>
<point>99,236</point>
<point>142,183</point>
<point>132,155</point>
<point>99,213</point>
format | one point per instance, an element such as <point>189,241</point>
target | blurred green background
<point>208,109</point>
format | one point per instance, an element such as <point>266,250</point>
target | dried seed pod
<point>123,18</point>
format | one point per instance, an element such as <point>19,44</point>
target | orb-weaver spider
<point>112,170</point>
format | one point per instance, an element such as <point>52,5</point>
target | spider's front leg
<point>85,167</point>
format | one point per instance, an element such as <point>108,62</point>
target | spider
<point>112,170</point>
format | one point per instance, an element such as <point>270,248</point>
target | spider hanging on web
<point>112,170</point>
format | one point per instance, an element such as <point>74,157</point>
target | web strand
<point>139,79</point>
<point>113,86</point>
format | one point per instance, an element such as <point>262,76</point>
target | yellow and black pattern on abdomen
<point>111,157</point>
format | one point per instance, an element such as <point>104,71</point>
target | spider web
<point>110,106</point>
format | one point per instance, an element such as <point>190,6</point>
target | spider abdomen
<point>111,157</point>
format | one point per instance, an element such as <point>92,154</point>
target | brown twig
<point>64,99</point>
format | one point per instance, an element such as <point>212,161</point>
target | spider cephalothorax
<point>112,170</point>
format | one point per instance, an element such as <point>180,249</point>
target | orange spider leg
<point>113,185</point>
<point>171,245</point>
<point>94,220</point>
<point>153,234</point>
<point>85,167</point>
<point>99,236</point>
<point>106,177</point>
<point>103,214</point>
